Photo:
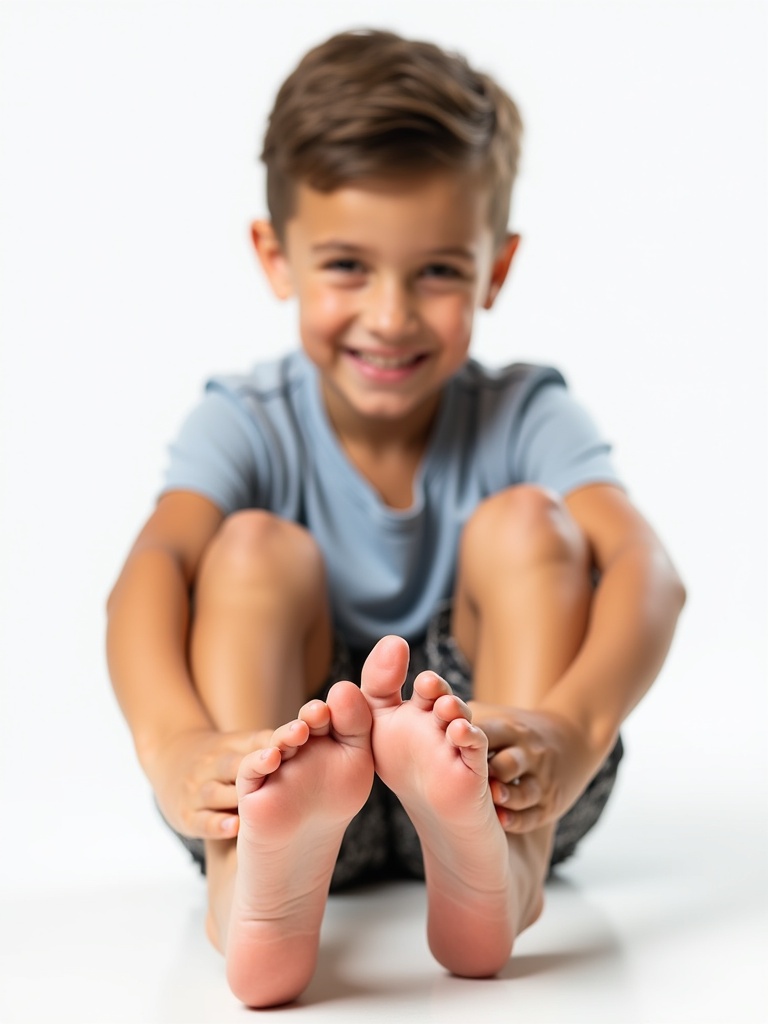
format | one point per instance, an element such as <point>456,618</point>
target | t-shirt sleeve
<point>558,445</point>
<point>218,454</point>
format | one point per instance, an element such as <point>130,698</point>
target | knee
<point>254,546</point>
<point>524,525</point>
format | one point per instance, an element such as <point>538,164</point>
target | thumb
<point>260,738</point>
<point>254,739</point>
<point>499,732</point>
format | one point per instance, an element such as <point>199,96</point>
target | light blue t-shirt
<point>264,440</point>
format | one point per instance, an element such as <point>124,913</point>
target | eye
<point>345,266</point>
<point>442,271</point>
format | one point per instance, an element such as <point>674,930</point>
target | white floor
<point>633,932</point>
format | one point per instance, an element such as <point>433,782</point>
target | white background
<point>129,136</point>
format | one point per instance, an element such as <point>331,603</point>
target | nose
<point>389,312</point>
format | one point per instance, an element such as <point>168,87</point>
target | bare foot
<point>435,761</point>
<point>296,799</point>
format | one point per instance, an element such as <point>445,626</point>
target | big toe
<point>384,672</point>
<point>350,714</point>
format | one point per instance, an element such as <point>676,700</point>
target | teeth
<point>386,362</point>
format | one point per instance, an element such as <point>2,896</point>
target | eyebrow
<point>337,246</point>
<point>456,251</point>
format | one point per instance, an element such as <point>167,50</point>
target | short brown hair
<point>369,104</point>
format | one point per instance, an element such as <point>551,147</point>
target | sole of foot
<point>435,761</point>
<point>296,798</point>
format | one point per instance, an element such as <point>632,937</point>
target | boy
<point>380,483</point>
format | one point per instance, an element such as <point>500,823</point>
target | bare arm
<point>190,764</point>
<point>633,620</point>
<point>148,619</point>
<point>557,747</point>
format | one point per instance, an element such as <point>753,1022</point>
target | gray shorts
<point>380,841</point>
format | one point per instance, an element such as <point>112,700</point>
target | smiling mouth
<point>380,362</point>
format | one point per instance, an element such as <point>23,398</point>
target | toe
<point>429,687</point>
<point>448,708</point>
<point>349,714</point>
<point>317,717</point>
<point>254,768</point>
<point>288,738</point>
<point>473,744</point>
<point>384,672</point>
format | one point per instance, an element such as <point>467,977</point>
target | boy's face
<point>388,278</point>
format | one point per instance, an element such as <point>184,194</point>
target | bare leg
<point>260,646</point>
<point>261,642</point>
<point>522,597</point>
<point>296,799</point>
<point>520,616</point>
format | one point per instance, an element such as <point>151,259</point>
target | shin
<point>260,646</point>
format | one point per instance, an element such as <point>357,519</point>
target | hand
<point>539,764</point>
<point>193,776</point>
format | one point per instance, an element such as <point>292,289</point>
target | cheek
<point>323,312</point>
<point>452,320</point>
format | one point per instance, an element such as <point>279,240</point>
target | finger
<point>520,822</point>
<point>219,825</point>
<point>510,763</point>
<point>245,742</point>
<point>219,796</point>
<point>500,733</point>
<point>240,744</point>
<point>228,765</point>
<point>210,825</point>
<point>517,797</point>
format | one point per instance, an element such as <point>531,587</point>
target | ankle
<point>213,931</point>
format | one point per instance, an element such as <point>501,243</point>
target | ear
<point>500,268</point>
<point>272,258</point>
